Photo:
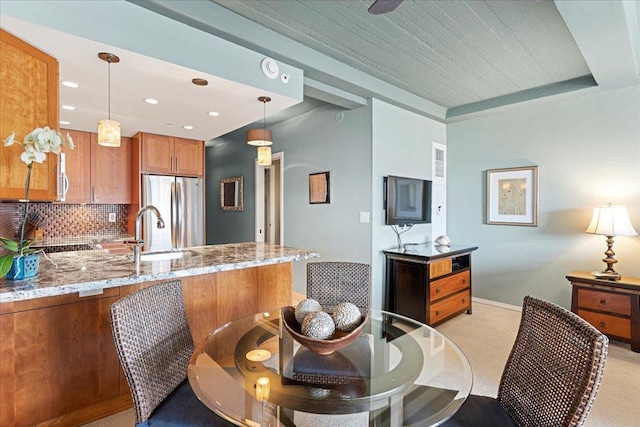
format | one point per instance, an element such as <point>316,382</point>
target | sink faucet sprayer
<point>138,242</point>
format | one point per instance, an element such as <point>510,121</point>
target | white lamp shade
<point>259,137</point>
<point>264,156</point>
<point>611,221</point>
<point>109,133</point>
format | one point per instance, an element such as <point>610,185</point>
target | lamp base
<point>606,275</point>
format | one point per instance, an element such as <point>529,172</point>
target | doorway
<point>269,201</point>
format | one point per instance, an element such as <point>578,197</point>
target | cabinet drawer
<point>604,301</point>
<point>610,325</point>
<point>446,307</point>
<point>440,268</point>
<point>442,287</point>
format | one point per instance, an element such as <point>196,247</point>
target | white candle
<point>262,389</point>
<point>258,355</point>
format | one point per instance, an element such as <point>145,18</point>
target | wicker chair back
<point>333,282</point>
<point>555,367</point>
<point>153,342</point>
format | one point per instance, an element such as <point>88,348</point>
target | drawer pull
<point>463,300</point>
<point>437,290</point>
<point>437,312</point>
<point>603,324</point>
<point>464,280</point>
<point>603,302</point>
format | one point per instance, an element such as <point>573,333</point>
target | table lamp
<point>609,220</point>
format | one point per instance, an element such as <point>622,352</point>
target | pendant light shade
<point>261,138</point>
<point>264,156</point>
<point>109,130</point>
<point>109,133</point>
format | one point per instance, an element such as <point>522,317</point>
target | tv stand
<point>428,283</point>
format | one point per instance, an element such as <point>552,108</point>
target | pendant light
<point>262,137</point>
<point>109,130</point>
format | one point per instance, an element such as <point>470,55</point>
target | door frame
<point>259,200</point>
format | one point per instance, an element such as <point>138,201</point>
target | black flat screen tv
<point>407,200</point>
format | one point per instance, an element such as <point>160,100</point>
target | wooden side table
<point>613,307</point>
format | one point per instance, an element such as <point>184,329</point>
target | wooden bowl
<point>340,339</point>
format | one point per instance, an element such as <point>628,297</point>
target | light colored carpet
<point>486,338</point>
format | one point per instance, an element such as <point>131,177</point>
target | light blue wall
<point>587,149</point>
<point>401,143</point>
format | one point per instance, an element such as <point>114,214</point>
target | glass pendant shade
<point>264,156</point>
<point>259,137</point>
<point>109,133</point>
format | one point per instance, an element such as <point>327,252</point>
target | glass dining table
<point>398,372</point>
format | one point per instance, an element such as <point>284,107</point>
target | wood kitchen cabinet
<point>97,174</point>
<point>612,306</point>
<point>28,99</point>
<point>169,155</point>
<point>428,285</point>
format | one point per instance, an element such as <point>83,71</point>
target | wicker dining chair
<point>333,282</point>
<point>551,376</point>
<point>154,345</point>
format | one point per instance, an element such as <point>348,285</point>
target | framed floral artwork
<point>512,196</point>
<point>319,188</point>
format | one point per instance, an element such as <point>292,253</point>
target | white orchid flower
<point>10,139</point>
<point>30,155</point>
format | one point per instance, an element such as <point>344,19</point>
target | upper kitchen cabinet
<point>169,155</point>
<point>29,99</point>
<point>97,174</point>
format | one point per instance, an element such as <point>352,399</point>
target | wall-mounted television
<point>407,200</point>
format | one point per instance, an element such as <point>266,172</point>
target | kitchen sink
<point>160,256</point>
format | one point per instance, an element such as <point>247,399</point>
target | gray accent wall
<point>325,139</point>
<point>587,150</point>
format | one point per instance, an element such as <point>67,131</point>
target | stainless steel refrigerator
<point>180,202</point>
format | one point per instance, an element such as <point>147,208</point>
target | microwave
<point>62,179</point>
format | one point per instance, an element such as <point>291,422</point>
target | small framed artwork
<point>319,188</point>
<point>231,194</point>
<point>512,196</point>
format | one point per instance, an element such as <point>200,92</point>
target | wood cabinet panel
<point>446,286</point>
<point>604,301</point>
<point>111,172</point>
<point>274,285</point>
<point>610,325</point>
<point>29,99</point>
<point>156,153</point>
<point>77,167</point>
<point>189,157</point>
<point>449,306</point>
<point>440,268</point>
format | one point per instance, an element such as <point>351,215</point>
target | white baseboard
<point>497,304</point>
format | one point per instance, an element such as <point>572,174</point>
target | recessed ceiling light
<point>151,101</point>
<point>188,127</point>
<point>68,107</point>
<point>199,82</point>
<point>70,84</point>
<point>64,122</point>
<point>213,113</point>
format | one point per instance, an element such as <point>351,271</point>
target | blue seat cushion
<point>480,411</point>
<point>183,408</point>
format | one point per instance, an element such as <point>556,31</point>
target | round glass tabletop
<point>397,372</point>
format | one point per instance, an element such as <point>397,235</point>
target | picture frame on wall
<point>512,196</point>
<point>319,188</point>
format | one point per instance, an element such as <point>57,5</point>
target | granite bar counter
<point>93,270</point>
<point>55,332</point>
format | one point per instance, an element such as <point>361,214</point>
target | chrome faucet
<point>138,242</point>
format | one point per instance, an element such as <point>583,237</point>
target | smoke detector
<point>270,68</point>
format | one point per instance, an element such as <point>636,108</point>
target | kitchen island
<point>58,362</point>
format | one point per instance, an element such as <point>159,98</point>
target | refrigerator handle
<point>174,215</point>
<point>179,215</point>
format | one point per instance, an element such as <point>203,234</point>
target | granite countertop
<point>86,271</point>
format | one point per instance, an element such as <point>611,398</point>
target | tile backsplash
<point>66,221</point>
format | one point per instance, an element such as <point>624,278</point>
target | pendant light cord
<point>109,87</point>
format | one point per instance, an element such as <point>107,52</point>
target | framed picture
<point>319,188</point>
<point>231,194</point>
<point>512,196</point>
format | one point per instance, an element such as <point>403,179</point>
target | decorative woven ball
<point>305,307</point>
<point>319,325</point>
<point>346,316</point>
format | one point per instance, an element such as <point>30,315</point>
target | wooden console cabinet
<point>427,284</point>
<point>612,306</point>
